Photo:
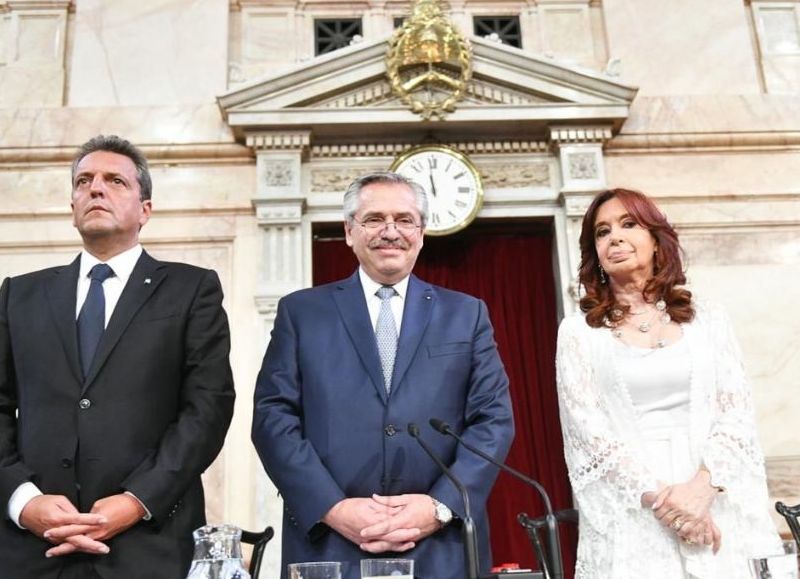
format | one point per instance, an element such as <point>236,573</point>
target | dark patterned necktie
<point>92,319</point>
<point>386,334</point>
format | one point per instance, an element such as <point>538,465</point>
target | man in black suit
<point>115,392</point>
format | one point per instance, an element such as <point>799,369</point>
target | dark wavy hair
<point>668,275</point>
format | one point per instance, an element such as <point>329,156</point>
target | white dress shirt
<point>123,265</point>
<point>396,302</point>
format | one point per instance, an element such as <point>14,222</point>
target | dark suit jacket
<point>156,406</point>
<point>325,428</point>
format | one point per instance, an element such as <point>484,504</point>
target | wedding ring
<point>689,541</point>
<point>676,524</point>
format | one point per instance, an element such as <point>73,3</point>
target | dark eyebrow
<point>106,174</point>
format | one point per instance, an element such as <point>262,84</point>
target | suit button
<point>66,463</point>
<point>390,430</point>
<point>84,403</point>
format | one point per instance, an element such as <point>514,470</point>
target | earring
<point>603,278</point>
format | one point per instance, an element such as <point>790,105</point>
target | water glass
<point>317,570</point>
<point>778,566</point>
<point>387,569</point>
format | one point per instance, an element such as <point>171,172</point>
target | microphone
<point>468,528</point>
<point>554,568</point>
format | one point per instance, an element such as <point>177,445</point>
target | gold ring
<point>689,541</point>
<point>676,524</point>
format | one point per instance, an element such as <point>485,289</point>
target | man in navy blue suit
<point>349,366</point>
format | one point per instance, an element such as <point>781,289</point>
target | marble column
<point>580,154</point>
<point>279,205</point>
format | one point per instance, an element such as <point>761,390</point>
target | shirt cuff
<point>21,497</point>
<point>147,515</point>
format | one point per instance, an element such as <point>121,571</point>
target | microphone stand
<point>468,528</point>
<point>554,568</point>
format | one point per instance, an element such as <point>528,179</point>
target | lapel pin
<point>147,280</point>
<point>427,297</point>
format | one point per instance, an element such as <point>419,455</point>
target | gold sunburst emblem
<point>429,62</point>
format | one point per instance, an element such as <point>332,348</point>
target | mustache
<point>388,243</point>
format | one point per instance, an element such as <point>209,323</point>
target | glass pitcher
<point>218,553</point>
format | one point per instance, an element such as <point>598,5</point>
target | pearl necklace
<point>644,327</point>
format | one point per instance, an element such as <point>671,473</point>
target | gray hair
<point>118,145</point>
<point>352,196</point>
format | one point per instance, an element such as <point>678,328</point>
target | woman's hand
<point>704,532</point>
<point>685,508</point>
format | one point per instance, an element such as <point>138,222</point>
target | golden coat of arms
<point>429,62</point>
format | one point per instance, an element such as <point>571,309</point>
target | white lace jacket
<point>620,539</point>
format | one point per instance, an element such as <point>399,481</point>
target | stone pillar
<point>580,155</point>
<point>279,206</point>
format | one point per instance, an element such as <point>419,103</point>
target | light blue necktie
<point>386,334</point>
<point>92,319</point>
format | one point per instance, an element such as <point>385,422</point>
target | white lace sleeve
<point>602,467</point>
<point>732,453</point>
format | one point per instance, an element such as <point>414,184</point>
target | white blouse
<point>631,421</point>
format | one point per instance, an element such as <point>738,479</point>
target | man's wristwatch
<point>441,512</point>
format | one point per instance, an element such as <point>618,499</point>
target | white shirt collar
<point>122,263</point>
<point>370,286</point>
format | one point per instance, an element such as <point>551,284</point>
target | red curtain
<point>510,267</point>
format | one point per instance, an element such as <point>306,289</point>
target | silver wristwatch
<point>441,512</point>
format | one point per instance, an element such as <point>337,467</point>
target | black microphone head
<point>440,425</point>
<point>413,429</point>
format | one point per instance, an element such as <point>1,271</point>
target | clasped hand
<point>379,524</point>
<point>55,519</point>
<point>686,509</point>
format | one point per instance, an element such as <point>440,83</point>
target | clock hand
<point>433,185</point>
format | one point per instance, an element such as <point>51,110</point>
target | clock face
<point>451,182</point>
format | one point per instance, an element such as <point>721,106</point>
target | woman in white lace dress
<point>657,415</point>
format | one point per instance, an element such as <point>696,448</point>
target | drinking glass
<point>387,569</point>
<point>317,570</point>
<point>778,566</point>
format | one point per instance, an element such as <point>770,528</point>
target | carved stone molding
<point>492,93</point>
<point>379,92</point>
<point>582,168</point>
<point>569,135</point>
<point>267,305</point>
<point>392,149</point>
<point>336,180</point>
<point>276,212</point>
<point>156,154</point>
<point>280,141</point>
<point>278,173</point>
<point>38,4</point>
<point>582,165</point>
<point>575,205</point>
<point>682,142</point>
<point>516,175</point>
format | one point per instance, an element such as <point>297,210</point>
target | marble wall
<point>708,135</point>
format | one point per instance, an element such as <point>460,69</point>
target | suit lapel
<point>146,276</point>
<point>349,298</point>
<point>416,315</point>
<point>62,290</point>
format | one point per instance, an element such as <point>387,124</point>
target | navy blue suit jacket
<point>326,429</point>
